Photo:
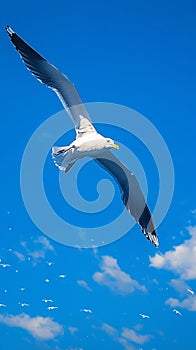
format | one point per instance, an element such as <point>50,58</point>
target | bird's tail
<point>60,156</point>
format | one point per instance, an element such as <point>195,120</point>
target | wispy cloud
<point>181,260</point>
<point>42,328</point>
<point>84,284</point>
<point>73,330</point>
<point>130,334</point>
<point>126,337</point>
<point>74,348</point>
<point>19,255</point>
<point>38,253</point>
<point>115,279</point>
<point>179,285</point>
<point>109,330</point>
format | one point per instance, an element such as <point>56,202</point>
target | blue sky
<point>139,54</point>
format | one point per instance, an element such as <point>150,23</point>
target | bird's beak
<point>115,146</point>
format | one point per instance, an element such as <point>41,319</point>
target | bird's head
<point>111,144</point>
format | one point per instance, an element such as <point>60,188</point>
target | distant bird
<point>52,307</point>
<point>49,263</point>
<point>23,304</point>
<point>47,280</point>
<point>22,289</point>
<point>144,316</point>
<point>177,312</point>
<point>87,311</point>
<point>190,291</point>
<point>2,305</point>
<point>47,300</point>
<point>5,265</point>
<point>88,142</point>
<point>62,276</point>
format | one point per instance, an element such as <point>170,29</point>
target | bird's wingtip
<point>152,237</point>
<point>9,30</point>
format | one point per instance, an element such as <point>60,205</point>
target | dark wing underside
<point>132,195</point>
<point>48,74</point>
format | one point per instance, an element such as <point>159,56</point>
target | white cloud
<point>126,336</point>
<point>109,330</point>
<point>42,328</point>
<point>114,278</point>
<point>180,286</point>
<point>84,284</point>
<point>181,260</point>
<point>130,334</point>
<point>74,348</point>
<point>188,303</point>
<point>73,330</point>
<point>19,255</point>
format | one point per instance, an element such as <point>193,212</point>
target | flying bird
<point>47,300</point>
<point>88,142</point>
<point>144,316</point>
<point>52,307</point>
<point>23,304</point>
<point>87,311</point>
<point>5,265</point>
<point>177,312</point>
<point>62,276</point>
<point>190,291</point>
<point>2,305</point>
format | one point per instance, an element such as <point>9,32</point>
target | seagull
<point>177,312</point>
<point>49,263</point>
<point>88,142</point>
<point>47,280</point>
<point>144,316</point>
<point>62,276</point>
<point>23,304</point>
<point>47,300</point>
<point>190,291</point>
<point>2,305</point>
<point>52,307</point>
<point>5,265</point>
<point>22,289</point>
<point>87,311</point>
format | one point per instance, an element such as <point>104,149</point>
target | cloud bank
<point>42,328</point>
<point>181,260</point>
<point>115,279</point>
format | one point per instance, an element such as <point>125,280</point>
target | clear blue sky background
<point>139,54</point>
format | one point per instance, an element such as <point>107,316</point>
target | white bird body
<point>88,142</point>
<point>2,305</point>
<point>52,307</point>
<point>177,312</point>
<point>144,316</point>
<point>23,304</point>
<point>87,311</point>
<point>190,291</point>
<point>47,300</point>
<point>5,265</point>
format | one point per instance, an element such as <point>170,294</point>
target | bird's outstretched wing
<point>48,74</point>
<point>132,195</point>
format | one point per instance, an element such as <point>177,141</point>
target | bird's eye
<point>108,140</point>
